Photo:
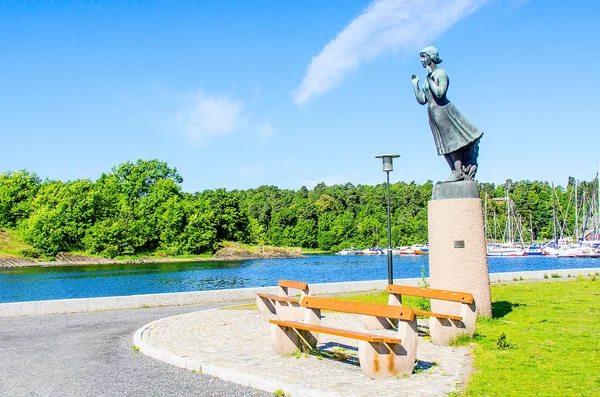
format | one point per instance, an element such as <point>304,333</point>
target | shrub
<point>503,343</point>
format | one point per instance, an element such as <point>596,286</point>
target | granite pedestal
<point>457,247</point>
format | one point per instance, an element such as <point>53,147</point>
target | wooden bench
<point>282,304</point>
<point>453,312</point>
<point>379,355</point>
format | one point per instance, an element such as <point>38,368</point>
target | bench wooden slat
<point>369,309</point>
<point>277,298</point>
<point>454,296</point>
<point>337,332</point>
<point>437,315</point>
<point>293,284</point>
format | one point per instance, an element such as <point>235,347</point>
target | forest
<point>140,208</point>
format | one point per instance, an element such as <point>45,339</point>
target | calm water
<point>41,283</point>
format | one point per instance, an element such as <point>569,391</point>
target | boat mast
<point>576,212</point>
<point>554,213</point>
<point>531,228</point>
<point>509,240</point>
<point>495,228</point>
<point>519,228</point>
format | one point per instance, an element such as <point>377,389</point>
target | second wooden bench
<point>453,312</point>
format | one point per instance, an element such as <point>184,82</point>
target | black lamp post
<point>387,167</point>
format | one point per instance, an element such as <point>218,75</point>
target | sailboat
<point>535,248</point>
<point>587,243</point>
<point>508,247</point>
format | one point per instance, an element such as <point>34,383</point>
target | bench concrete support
<point>371,322</point>
<point>288,340</point>
<point>265,305</point>
<point>289,311</point>
<point>282,304</point>
<point>378,360</point>
<point>443,331</point>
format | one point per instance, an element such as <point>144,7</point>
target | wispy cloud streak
<point>385,25</point>
<point>210,116</point>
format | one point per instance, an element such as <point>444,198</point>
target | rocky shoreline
<point>231,252</point>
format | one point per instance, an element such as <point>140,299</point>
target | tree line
<point>140,208</point>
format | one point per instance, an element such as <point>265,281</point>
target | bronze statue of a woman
<point>455,137</point>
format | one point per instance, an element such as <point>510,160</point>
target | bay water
<point>64,282</point>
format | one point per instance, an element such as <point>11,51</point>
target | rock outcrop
<point>231,251</point>
<point>235,251</point>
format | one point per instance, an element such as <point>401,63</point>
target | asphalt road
<point>91,354</point>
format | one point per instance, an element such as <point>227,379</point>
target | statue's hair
<point>433,54</point>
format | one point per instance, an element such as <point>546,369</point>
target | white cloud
<point>385,25</point>
<point>266,129</point>
<point>210,116</point>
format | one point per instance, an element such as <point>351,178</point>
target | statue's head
<point>432,53</point>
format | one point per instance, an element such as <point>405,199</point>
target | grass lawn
<point>314,251</point>
<point>543,340</point>
<point>552,345</point>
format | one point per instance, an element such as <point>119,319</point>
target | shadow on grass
<point>502,308</point>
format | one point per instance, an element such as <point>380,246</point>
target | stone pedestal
<point>457,249</point>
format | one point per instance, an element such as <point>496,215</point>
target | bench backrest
<point>302,286</point>
<point>369,309</point>
<point>440,294</point>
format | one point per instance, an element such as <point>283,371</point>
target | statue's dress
<point>451,130</point>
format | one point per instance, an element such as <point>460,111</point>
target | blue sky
<point>243,93</point>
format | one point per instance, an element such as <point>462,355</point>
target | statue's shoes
<point>455,176</point>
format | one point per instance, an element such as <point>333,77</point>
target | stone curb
<point>84,305</point>
<point>542,274</point>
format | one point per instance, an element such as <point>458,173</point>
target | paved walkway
<point>235,345</point>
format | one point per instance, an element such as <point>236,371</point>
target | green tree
<point>17,191</point>
<point>136,179</point>
<point>200,232</point>
<point>230,222</point>
<point>62,214</point>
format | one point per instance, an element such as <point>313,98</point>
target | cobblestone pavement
<point>235,345</point>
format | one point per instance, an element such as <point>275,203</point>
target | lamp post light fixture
<point>387,167</point>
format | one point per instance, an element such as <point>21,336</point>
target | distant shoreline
<point>227,254</point>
